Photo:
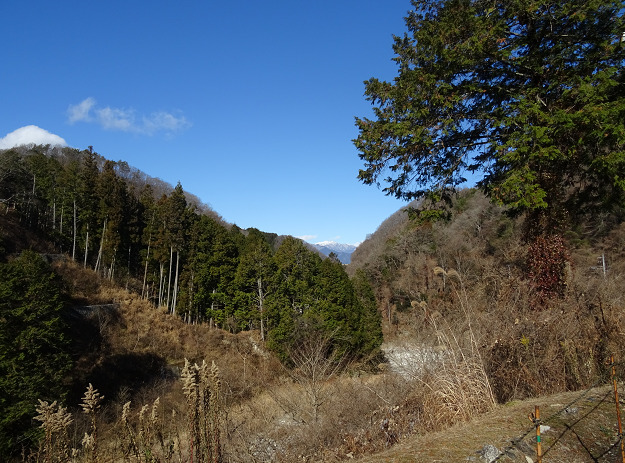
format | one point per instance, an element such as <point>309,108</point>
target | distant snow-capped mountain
<point>343,251</point>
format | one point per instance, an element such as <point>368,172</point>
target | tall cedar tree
<point>44,171</point>
<point>88,210</point>
<point>527,94</point>
<point>114,215</point>
<point>253,281</point>
<point>176,222</point>
<point>294,280</point>
<point>337,307</point>
<point>368,338</point>
<point>34,349</point>
<point>207,288</point>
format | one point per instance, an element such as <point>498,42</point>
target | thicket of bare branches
<point>545,317</point>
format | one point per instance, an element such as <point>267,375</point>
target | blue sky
<point>249,104</point>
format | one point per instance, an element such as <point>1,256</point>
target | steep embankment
<point>124,345</point>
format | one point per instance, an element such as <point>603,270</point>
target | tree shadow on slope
<point>119,373</point>
<point>113,374</point>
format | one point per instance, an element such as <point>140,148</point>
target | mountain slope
<point>342,251</point>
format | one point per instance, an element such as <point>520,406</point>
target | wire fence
<point>566,421</point>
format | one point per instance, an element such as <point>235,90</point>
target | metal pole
<point>618,409</point>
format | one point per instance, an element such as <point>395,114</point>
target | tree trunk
<point>190,308</point>
<point>112,268</point>
<point>261,300</point>
<point>161,284</point>
<point>128,274</point>
<point>175,295</point>
<point>86,246</point>
<point>145,271</point>
<point>74,239</point>
<point>99,259</point>
<point>171,258</point>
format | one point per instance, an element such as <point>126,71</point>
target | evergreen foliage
<point>253,280</point>
<point>213,262</point>
<point>110,218</point>
<point>528,95</point>
<point>34,346</point>
<point>315,298</point>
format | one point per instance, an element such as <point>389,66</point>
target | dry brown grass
<point>478,315</point>
<point>271,415</point>
<point>593,435</point>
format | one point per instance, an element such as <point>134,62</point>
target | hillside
<point>132,352</point>
<point>107,280</point>
<point>475,275</point>
<point>577,427</point>
<point>473,315</point>
<point>475,285</point>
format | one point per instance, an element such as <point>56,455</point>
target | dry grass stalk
<point>148,430</point>
<point>55,421</point>
<point>459,387</point>
<point>90,405</point>
<point>214,424</point>
<point>190,387</point>
<point>129,441</point>
<point>201,387</point>
<point>138,441</point>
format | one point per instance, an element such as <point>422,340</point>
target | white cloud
<point>125,120</point>
<point>30,134</point>
<point>308,238</point>
<point>80,111</point>
<point>162,120</point>
<point>117,119</point>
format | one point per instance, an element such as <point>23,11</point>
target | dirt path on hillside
<point>582,428</point>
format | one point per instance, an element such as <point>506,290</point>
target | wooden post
<point>539,452</point>
<point>618,409</point>
<point>535,418</point>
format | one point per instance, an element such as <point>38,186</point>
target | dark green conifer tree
<point>367,337</point>
<point>528,97</point>
<point>253,282</point>
<point>43,171</point>
<point>293,293</point>
<point>209,279</point>
<point>176,222</point>
<point>13,178</point>
<point>34,348</point>
<point>88,207</point>
<point>113,219</point>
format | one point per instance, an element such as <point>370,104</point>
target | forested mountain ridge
<point>132,228</point>
<point>173,253</point>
